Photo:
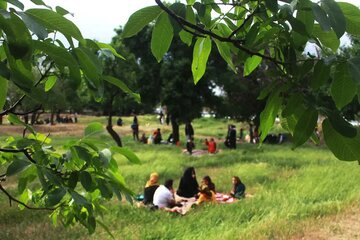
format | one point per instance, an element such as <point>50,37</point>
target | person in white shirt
<point>164,195</point>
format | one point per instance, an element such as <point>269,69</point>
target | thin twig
<point>243,24</point>
<point>23,150</point>
<point>10,109</point>
<point>26,113</point>
<point>11,198</point>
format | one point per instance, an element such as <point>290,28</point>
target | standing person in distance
<point>189,130</point>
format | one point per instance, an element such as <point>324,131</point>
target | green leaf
<point>225,53</point>
<point>61,11</point>
<point>73,179</point>
<point>354,67</point>
<point>201,54</point>
<point>16,166</point>
<point>294,103</point>
<point>272,5</point>
<point>54,21</point>
<point>78,199</point>
<point>120,84</point>
<point>352,16</point>
<point>321,17</point>
<point>346,149</point>
<point>251,64</point>
<point>336,17</point>
<point>105,188</point>
<point>16,3</point>
<point>105,157</point>
<point>268,115</point>
<point>328,39</point>
<point>343,88</point>
<point>305,127</point>
<point>342,126</point>
<point>63,58</point>
<point>86,181</point>
<point>93,128</point>
<point>3,91</point>
<point>50,83</point>
<point>126,153</point>
<point>34,26</point>
<point>55,196</point>
<point>320,75</point>
<point>90,64</point>
<point>140,19</point>
<point>186,37</point>
<point>15,120</point>
<point>162,36</point>
<point>110,48</point>
<point>91,224</point>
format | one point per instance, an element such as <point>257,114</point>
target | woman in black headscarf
<point>188,186</point>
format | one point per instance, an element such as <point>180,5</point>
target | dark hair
<point>210,184</point>
<point>169,183</point>
<point>237,180</point>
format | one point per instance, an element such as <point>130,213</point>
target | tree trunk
<point>1,120</point>
<point>175,129</point>
<point>52,116</point>
<point>251,133</point>
<point>33,118</point>
<point>109,126</point>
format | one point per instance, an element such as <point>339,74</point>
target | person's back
<point>163,197</point>
<point>149,194</point>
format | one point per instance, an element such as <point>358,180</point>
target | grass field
<point>289,188</point>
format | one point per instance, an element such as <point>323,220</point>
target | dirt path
<point>343,226</point>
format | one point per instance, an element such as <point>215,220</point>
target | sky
<point>98,19</point>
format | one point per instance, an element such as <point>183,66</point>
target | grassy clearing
<point>289,188</point>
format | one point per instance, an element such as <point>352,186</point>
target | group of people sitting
<point>188,193</point>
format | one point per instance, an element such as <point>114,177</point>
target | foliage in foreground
<point>34,59</point>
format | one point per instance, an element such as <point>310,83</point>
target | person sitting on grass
<point>206,191</point>
<point>164,195</point>
<point>150,188</point>
<point>188,186</point>
<point>238,190</point>
<point>211,145</point>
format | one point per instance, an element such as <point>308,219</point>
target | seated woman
<point>211,145</point>
<point>238,190</point>
<point>206,191</point>
<point>150,188</point>
<point>188,186</point>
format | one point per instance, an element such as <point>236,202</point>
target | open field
<point>301,194</point>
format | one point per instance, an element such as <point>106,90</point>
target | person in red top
<point>211,145</point>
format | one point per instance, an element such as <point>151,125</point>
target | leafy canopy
<point>275,32</point>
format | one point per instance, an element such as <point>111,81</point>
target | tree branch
<point>237,43</point>
<point>26,113</point>
<point>11,198</point>
<point>24,150</point>
<point>243,24</point>
<point>10,109</point>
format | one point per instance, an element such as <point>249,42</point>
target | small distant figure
<point>238,189</point>
<point>167,119</point>
<point>190,145</point>
<point>241,136</point>
<point>230,140</point>
<point>170,139</point>
<point>75,117</point>
<point>135,128</point>
<point>211,145</point>
<point>143,139</point>
<point>161,117</point>
<point>189,130</point>
<point>256,135</point>
<point>157,136</point>
<point>119,121</point>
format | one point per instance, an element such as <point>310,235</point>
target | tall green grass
<point>288,188</point>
